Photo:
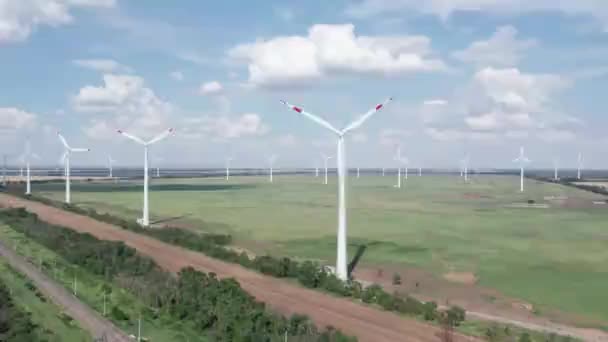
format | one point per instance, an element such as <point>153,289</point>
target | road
<point>88,319</point>
<point>367,323</point>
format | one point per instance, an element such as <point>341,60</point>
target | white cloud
<point>194,58</point>
<point>501,49</point>
<point>18,19</point>
<point>333,49</point>
<point>444,9</point>
<point>177,75</point>
<point>134,106</point>
<point>103,65</point>
<point>227,127</point>
<point>392,137</point>
<point>435,102</point>
<point>499,103</point>
<point>12,119</point>
<point>211,88</point>
<point>100,130</point>
<point>287,140</point>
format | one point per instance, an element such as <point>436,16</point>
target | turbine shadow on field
<point>169,219</point>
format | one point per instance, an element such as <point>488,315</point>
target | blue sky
<point>467,76</point>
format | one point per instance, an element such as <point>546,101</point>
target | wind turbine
<point>555,169</point>
<point>271,161</point>
<point>110,162</point>
<point>325,160</point>
<point>145,219</point>
<point>465,168</point>
<point>65,158</point>
<point>316,170</point>
<point>579,166</point>
<point>341,267</point>
<point>419,171</point>
<point>25,158</point>
<point>382,172</point>
<point>398,159</point>
<point>358,174</point>
<point>228,160</point>
<point>522,160</point>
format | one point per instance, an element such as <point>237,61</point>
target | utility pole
<point>139,329</point>
<point>104,302</point>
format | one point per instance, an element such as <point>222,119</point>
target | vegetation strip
<point>88,318</point>
<point>308,273</point>
<point>219,308</point>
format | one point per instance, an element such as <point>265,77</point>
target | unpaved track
<point>367,323</point>
<point>86,317</point>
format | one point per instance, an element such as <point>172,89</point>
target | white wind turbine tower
<point>383,172</point>
<point>522,160</point>
<point>325,161</point>
<point>341,261</point>
<point>465,168</point>
<point>271,161</point>
<point>358,174</point>
<point>228,160</point>
<point>66,160</point>
<point>555,169</point>
<point>145,219</point>
<point>316,169</point>
<point>398,159</point>
<point>110,164</point>
<point>27,154</point>
<point>579,166</point>
<point>419,171</point>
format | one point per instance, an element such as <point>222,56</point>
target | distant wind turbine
<point>66,160</point>
<point>579,166</point>
<point>419,171</point>
<point>26,159</point>
<point>110,168</point>
<point>145,219</point>
<point>358,174</point>
<point>271,161</point>
<point>341,261</point>
<point>522,160</point>
<point>228,160</point>
<point>325,161</point>
<point>465,168</point>
<point>399,160</point>
<point>555,169</point>
<point>382,172</point>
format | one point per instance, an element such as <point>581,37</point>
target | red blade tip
<point>297,109</point>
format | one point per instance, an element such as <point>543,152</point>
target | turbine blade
<point>132,137</point>
<point>161,136</point>
<point>355,124</point>
<point>80,149</point>
<point>63,141</point>
<point>312,117</point>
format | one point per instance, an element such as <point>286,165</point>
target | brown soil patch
<point>467,278</point>
<point>365,322</point>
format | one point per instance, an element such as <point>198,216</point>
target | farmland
<point>551,256</point>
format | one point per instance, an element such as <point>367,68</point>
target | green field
<point>554,257</point>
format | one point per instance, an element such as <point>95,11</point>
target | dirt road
<point>86,317</point>
<point>367,323</point>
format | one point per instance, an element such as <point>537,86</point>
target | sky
<point>476,77</point>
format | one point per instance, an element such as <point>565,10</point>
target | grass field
<point>554,257</point>
<point>45,314</point>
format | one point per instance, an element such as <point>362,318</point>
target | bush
<point>396,279</point>
<point>456,315</point>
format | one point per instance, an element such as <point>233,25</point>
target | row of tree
<point>220,308</point>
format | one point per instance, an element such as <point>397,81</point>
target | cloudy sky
<point>477,76</point>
